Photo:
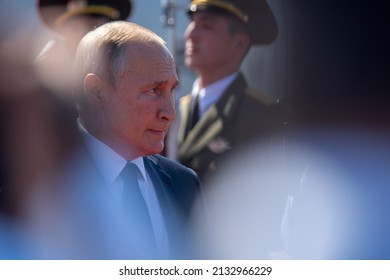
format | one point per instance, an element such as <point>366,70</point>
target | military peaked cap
<point>255,14</point>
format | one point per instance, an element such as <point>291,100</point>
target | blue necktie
<point>136,209</point>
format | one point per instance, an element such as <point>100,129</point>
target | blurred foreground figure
<point>245,206</point>
<point>38,138</point>
<point>330,191</point>
<point>70,20</point>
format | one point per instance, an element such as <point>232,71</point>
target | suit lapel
<point>163,185</point>
<point>215,120</point>
<point>166,196</point>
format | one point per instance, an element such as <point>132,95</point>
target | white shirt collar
<point>210,94</point>
<point>109,162</point>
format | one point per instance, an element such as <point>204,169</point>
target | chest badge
<point>219,145</point>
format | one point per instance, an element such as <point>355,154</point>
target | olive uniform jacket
<point>241,115</point>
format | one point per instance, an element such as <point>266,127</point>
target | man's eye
<point>155,90</point>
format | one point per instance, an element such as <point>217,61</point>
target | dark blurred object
<point>337,144</point>
<point>55,12</point>
<point>37,131</point>
<point>331,60</point>
<point>340,51</point>
<point>328,55</point>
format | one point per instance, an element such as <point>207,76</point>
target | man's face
<point>139,108</point>
<point>208,43</point>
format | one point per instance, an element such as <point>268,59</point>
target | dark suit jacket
<point>239,116</point>
<point>178,190</point>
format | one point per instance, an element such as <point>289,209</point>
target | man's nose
<point>190,31</point>
<point>168,110</point>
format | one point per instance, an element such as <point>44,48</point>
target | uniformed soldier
<point>223,113</point>
<point>70,20</point>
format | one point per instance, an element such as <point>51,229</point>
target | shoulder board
<point>259,96</point>
<point>185,99</point>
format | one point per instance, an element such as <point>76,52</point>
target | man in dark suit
<point>125,79</point>
<point>223,113</point>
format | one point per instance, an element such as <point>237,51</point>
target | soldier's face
<point>208,42</point>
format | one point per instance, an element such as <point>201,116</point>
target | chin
<point>155,149</point>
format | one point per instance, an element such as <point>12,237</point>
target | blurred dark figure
<point>37,139</point>
<point>70,20</point>
<point>338,140</point>
<point>37,135</point>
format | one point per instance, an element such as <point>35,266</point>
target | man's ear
<point>242,42</point>
<point>93,88</point>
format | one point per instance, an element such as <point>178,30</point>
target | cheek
<point>143,112</point>
<point>119,113</point>
<point>218,47</point>
<point>217,56</point>
<point>225,47</point>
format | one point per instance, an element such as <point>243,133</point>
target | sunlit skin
<point>210,50</point>
<point>133,116</point>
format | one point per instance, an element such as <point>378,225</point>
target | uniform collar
<point>211,93</point>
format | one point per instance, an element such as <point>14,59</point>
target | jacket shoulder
<point>184,182</point>
<point>172,167</point>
